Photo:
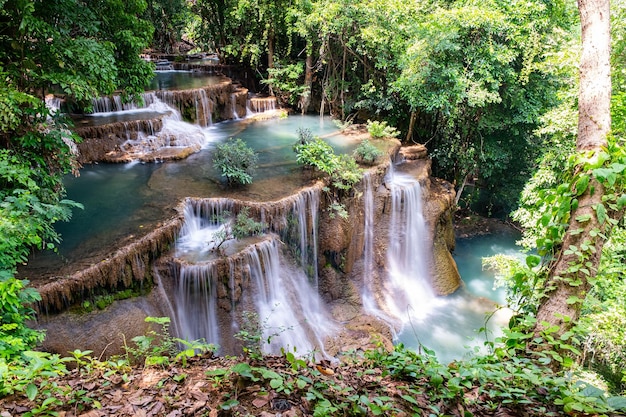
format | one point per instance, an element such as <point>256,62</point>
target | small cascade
<point>202,105</point>
<point>195,296</point>
<point>53,103</point>
<point>233,106</point>
<point>409,288</point>
<point>262,104</point>
<point>201,223</point>
<point>113,104</point>
<point>305,208</point>
<point>288,308</point>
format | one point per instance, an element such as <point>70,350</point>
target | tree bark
<point>565,286</point>
<point>305,98</point>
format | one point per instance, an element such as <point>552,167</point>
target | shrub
<point>366,153</point>
<point>236,160</point>
<point>317,154</point>
<point>381,130</point>
<point>15,335</point>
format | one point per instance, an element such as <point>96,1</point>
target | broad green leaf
<point>601,213</point>
<point>581,184</point>
<point>31,391</point>
<point>533,260</point>
<point>583,218</point>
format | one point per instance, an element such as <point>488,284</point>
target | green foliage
<point>15,335</point>
<point>241,227</point>
<point>317,154</point>
<point>367,153</point>
<point>380,130</point>
<point>343,170</point>
<point>285,81</point>
<point>157,347</point>
<point>236,160</point>
<point>254,333</point>
<point>554,204</point>
<point>169,18</point>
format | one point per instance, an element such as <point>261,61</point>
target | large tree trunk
<point>560,307</point>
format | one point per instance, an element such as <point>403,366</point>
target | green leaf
<point>31,391</point>
<point>581,184</point>
<point>621,202</point>
<point>601,213</point>
<point>583,218</point>
<point>573,300</point>
<point>243,369</point>
<point>617,403</point>
<point>276,383</point>
<point>533,260</point>
<point>409,399</point>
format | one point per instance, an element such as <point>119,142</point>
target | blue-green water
<point>452,327</point>
<point>182,80</point>
<point>125,201</point>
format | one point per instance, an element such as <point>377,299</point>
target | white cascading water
<point>175,132</point>
<point>287,306</point>
<point>305,207</point>
<point>114,104</point>
<point>368,290</point>
<point>405,293</point>
<point>262,104</point>
<point>196,296</point>
<point>194,303</point>
<point>233,106</point>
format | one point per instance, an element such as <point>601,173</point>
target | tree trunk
<point>561,307</point>
<point>305,98</point>
<point>409,132</point>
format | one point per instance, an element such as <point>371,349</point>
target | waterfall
<point>203,108</point>
<point>233,106</point>
<point>201,223</point>
<point>53,103</point>
<point>367,292</point>
<point>196,297</point>
<point>287,307</point>
<point>114,103</point>
<point>405,292</point>
<point>408,289</point>
<point>305,207</point>
<point>262,104</point>
<point>290,311</point>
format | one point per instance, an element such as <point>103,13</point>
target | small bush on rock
<point>236,160</point>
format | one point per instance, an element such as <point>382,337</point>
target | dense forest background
<point>491,87</point>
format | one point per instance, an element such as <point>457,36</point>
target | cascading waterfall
<point>196,296</point>
<point>204,108</point>
<point>201,223</point>
<point>113,104</point>
<point>407,289</point>
<point>233,106</point>
<point>53,103</point>
<point>262,104</point>
<point>305,208</point>
<point>287,307</point>
<point>405,292</point>
<point>368,290</point>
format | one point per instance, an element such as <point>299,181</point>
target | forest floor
<point>356,385</point>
